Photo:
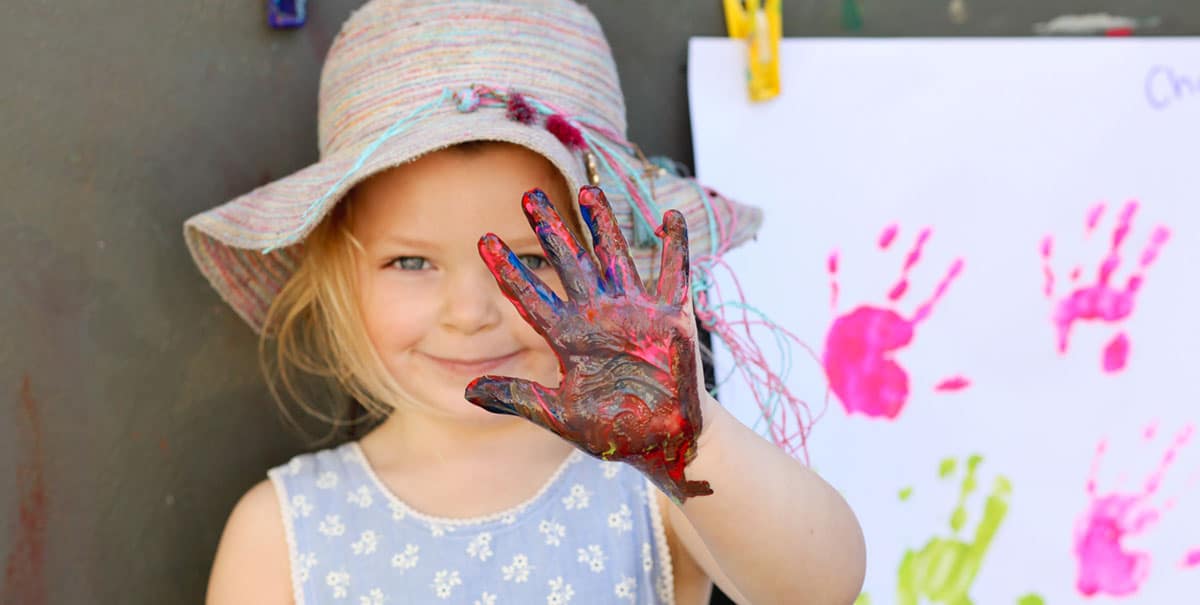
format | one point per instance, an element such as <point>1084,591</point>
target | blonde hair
<point>314,327</point>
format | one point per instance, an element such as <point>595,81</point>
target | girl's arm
<point>772,531</point>
<point>252,559</point>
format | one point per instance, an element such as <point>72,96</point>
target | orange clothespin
<point>761,25</point>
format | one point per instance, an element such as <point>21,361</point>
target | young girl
<point>541,430</point>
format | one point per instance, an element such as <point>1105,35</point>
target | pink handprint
<point>1105,564</point>
<point>860,344</point>
<point>1100,301</point>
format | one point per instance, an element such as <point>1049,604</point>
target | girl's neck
<point>423,439</point>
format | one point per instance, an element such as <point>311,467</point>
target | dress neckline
<point>400,505</point>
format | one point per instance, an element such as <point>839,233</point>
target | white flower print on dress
<point>327,480</point>
<point>578,498</point>
<point>361,497</point>
<point>366,543</point>
<point>610,469</point>
<point>295,466</point>
<point>626,588</point>
<point>647,558</point>
<point>481,546</point>
<point>560,592</point>
<point>444,582</point>
<point>407,559</point>
<point>508,519</point>
<point>304,563</point>
<point>398,511</point>
<point>593,556</point>
<point>300,506</point>
<point>332,526</point>
<point>486,598</point>
<point>553,531</point>
<point>375,597</point>
<point>621,520</point>
<point>339,581</point>
<point>518,571</point>
<point>438,530</point>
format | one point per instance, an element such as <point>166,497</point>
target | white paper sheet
<point>992,145</point>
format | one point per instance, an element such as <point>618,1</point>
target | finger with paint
<point>630,390</point>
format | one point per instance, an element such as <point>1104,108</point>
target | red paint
<point>1102,301</point>
<point>1119,31</point>
<point>630,388</point>
<point>24,574</point>
<point>1106,565</point>
<point>860,345</point>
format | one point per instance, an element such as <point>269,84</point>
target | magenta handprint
<point>1106,564</point>
<point>1101,301</point>
<point>860,345</point>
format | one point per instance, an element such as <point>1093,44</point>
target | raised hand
<point>630,390</point>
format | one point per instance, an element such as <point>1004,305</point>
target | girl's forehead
<point>449,193</point>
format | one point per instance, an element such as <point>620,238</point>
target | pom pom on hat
<point>565,132</point>
<point>520,110</point>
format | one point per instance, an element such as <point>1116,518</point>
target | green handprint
<point>945,568</point>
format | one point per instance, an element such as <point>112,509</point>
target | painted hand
<point>630,390</point>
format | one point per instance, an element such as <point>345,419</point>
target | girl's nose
<point>471,301</point>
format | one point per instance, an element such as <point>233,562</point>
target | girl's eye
<point>410,263</point>
<point>534,261</point>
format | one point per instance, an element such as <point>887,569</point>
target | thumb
<point>517,397</point>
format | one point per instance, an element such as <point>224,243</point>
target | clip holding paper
<point>761,25</point>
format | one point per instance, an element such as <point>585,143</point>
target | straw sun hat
<point>404,78</point>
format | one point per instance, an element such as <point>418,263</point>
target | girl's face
<point>431,307</point>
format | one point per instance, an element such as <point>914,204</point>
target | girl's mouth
<point>472,367</point>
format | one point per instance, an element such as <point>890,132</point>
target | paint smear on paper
<point>1191,559</point>
<point>24,573</point>
<point>1102,300</point>
<point>861,344</point>
<point>944,569</point>
<point>1106,564</point>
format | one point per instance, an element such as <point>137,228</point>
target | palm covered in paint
<point>629,389</point>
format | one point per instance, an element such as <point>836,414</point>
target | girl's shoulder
<point>251,563</point>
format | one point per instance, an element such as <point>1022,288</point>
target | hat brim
<point>249,247</point>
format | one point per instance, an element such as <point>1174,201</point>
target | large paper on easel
<point>993,249</point>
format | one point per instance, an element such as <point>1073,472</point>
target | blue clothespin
<point>286,14</point>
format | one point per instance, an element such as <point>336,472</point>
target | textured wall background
<point>132,414</point>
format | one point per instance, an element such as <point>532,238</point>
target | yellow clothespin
<point>762,27</point>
